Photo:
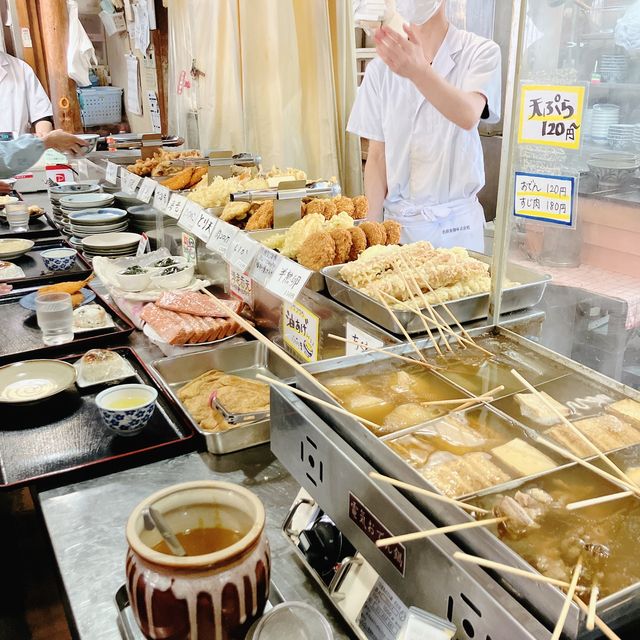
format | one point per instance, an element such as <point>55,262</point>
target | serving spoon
<point>154,519</point>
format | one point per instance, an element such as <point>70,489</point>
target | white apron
<point>459,223</point>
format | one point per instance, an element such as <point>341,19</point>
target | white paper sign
<point>143,245</point>
<point>161,198</point>
<point>288,280</point>
<point>264,265</point>
<point>241,286</point>
<point>383,614</point>
<point>146,190</point>
<point>222,237</point>
<point>129,181</point>
<point>189,216</point>
<point>176,205</point>
<point>301,331</point>
<point>242,252</point>
<point>362,338</point>
<point>111,175</point>
<point>204,225</point>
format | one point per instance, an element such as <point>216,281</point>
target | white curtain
<point>274,77</point>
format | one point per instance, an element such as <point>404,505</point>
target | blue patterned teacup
<point>59,259</point>
<point>126,408</point>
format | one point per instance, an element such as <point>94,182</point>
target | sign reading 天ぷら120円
<point>551,115</point>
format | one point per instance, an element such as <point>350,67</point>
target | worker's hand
<point>403,57</point>
<point>5,188</point>
<point>64,142</point>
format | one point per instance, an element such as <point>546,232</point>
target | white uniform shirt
<point>430,161</point>
<point>23,101</point>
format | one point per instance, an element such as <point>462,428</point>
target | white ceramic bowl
<point>133,282</point>
<point>178,261</point>
<point>59,259</point>
<point>34,380</point>
<point>177,280</point>
<point>138,400</point>
<point>11,248</point>
<point>91,139</point>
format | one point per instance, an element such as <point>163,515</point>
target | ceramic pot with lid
<point>212,595</point>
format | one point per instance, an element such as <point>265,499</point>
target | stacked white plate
<point>143,218</point>
<point>612,67</point>
<point>621,136</point>
<point>604,116</point>
<point>91,222</point>
<point>636,136</point>
<point>68,189</point>
<point>112,245</point>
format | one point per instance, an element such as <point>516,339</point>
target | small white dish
<point>34,380</point>
<point>14,248</point>
<point>176,280</point>
<point>133,282</point>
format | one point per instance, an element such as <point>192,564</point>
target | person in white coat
<point>24,104</point>
<point>419,106</point>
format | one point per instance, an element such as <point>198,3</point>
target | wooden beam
<point>62,90</point>
<point>160,41</point>
<point>34,55</point>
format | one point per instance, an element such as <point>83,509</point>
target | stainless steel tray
<point>246,360</point>
<point>527,294</point>
<point>544,599</point>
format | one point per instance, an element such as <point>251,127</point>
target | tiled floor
<point>30,602</point>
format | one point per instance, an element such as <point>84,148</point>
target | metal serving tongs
<point>153,519</point>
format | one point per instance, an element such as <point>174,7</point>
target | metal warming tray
<point>543,599</point>
<point>527,294</point>
<point>245,360</point>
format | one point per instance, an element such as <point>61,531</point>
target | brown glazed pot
<point>216,596</point>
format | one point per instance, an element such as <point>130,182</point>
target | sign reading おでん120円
<point>551,115</point>
<point>545,198</point>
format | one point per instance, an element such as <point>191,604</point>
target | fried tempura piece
<point>262,218</point>
<point>361,206</point>
<point>317,251</point>
<point>393,230</point>
<point>235,211</point>
<point>344,204</point>
<point>343,241</point>
<point>65,287</point>
<point>375,232</point>
<point>358,243</point>
<point>180,181</point>
<point>76,299</point>
<point>198,174</point>
<point>329,209</point>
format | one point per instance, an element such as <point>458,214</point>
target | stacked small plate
<point>91,222</point>
<point>67,189</point>
<point>112,245</point>
<point>143,218</point>
<point>604,116</point>
<point>81,202</point>
<point>612,67</point>
<point>621,136</point>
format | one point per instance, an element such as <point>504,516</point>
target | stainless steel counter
<point>86,523</point>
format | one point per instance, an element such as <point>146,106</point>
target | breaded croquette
<point>317,251</point>
<point>342,238</point>
<point>262,218</point>
<point>329,209</point>
<point>358,243</point>
<point>344,204</point>
<point>375,233</point>
<point>314,206</point>
<point>361,205</point>
<point>393,230</point>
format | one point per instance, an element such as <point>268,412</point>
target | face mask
<point>418,11</point>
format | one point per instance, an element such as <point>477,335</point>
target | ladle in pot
<point>154,519</point>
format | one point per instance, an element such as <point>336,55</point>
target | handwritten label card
<point>362,338</point>
<point>111,174</point>
<point>146,190</point>
<point>264,265</point>
<point>301,331</point>
<point>241,286</point>
<point>189,247</point>
<point>242,252</point>
<point>222,237</point>
<point>129,181</point>
<point>545,198</point>
<point>551,115</point>
<point>288,280</point>
<point>176,206</point>
<point>204,224</point>
<point>161,198</point>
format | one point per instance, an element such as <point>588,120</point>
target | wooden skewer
<point>583,504</point>
<point>564,612</point>
<point>383,351</point>
<point>429,494</point>
<point>606,630</point>
<point>576,431</point>
<point>484,398</point>
<point>505,568</point>
<point>402,329</point>
<point>593,602</point>
<point>323,403</point>
<point>416,309</point>
<point>456,401</point>
<point>249,328</point>
<point>421,535</point>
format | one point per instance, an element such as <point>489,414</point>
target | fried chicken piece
<point>180,181</point>
<point>235,211</point>
<point>262,218</point>
<point>361,205</point>
<point>393,230</point>
<point>343,241</point>
<point>165,168</point>
<point>358,243</point>
<point>317,251</point>
<point>375,232</point>
<point>198,174</point>
<point>344,204</point>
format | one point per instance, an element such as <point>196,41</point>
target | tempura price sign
<point>551,115</point>
<point>111,174</point>
<point>241,286</point>
<point>545,198</point>
<point>264,266</point>
<point>161,198</point>
<point>288,280</point>
<point>130,181</point>
<point>222,237</point>
<point>360,341</point>
<point>146,190</point>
